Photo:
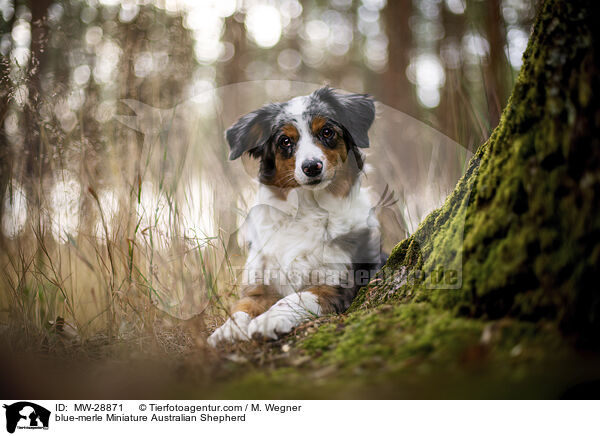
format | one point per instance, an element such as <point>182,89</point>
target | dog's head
<point>311,141</point>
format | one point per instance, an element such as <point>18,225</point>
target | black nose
<point>312,168</point>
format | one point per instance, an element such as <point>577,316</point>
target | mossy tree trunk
<point>520,235</point>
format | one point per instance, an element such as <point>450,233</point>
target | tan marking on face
<point>337,155</point>
<point>317,124</point>
<point>345,170</point>
<point>285,166</point>
<point>256,299</point>
<point>284,180</point>
<point>291,132</point>
<point>345,177</point>
<point>284,172</point>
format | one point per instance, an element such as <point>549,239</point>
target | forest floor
<point>393,351</point>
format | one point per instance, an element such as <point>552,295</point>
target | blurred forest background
<point>73,74</point>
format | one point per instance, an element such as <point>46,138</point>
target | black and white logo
<point>26,415</point>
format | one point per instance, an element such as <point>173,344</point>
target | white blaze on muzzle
<point>307,152</point>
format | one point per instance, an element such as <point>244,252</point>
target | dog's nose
<point>312,168</point>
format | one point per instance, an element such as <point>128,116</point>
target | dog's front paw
<point>234,329</point>
<point>271,324</point>
<point>285,315</point>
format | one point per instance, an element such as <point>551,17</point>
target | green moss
<point>391,334</point>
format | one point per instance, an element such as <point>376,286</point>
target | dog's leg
<point>255,300</point>
<point>293,310</point>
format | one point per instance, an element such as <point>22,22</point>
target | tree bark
<point>497,70</point>
<point>395,89</point>
<point>5,95</point>
<point>33,145</point>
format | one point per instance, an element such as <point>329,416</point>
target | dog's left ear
<point>251,132</point>
<point>356,113</point>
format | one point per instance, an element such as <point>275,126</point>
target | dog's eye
<point>327,132</point>
<point>285,142</point>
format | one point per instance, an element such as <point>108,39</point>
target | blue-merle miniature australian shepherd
<point>312,236</point>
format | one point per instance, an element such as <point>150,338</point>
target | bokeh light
<point>14,215</point>
<point>64,207</point>
<point>427,73</point>
<point>263,23</point>
<point>517,42</point>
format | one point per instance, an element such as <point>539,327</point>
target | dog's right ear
<point>252,131</point>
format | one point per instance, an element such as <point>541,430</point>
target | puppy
<point>313,239</point>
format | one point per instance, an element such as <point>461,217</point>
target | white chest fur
<point>295,243</point>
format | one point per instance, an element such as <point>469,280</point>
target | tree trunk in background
<point>5,85</point>
<point>497,70</point>
<point>5,88</point>
<point>455,118</point>
<point>394,88</point>
<point>529,202</point>
<point>33,146</point>
<point>233,71</point>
